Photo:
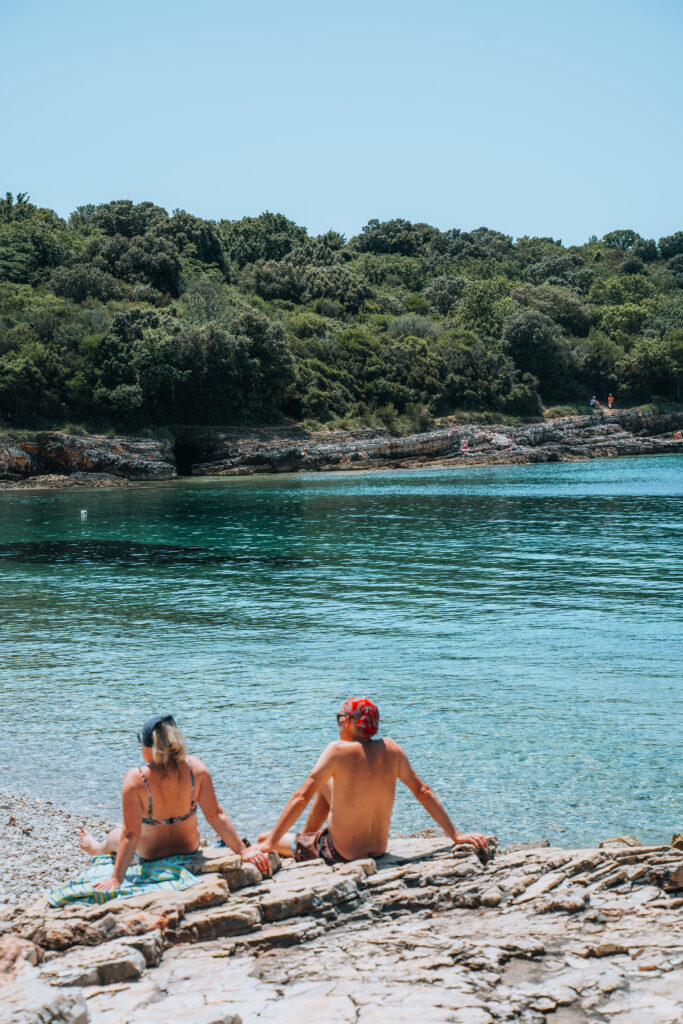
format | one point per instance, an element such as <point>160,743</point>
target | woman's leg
<point>284,847</point>
<point>96,847</point>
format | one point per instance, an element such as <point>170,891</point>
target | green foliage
<point>393,270</point>
<point>30,248</point>
<point>649,368</point>
<point>562,305</point>
<point>268,237</point>
<point>537,347</point>
<point>665,313</point>
<point>148,259</point>
<point>444,293</point>
<point>132,317</point>
<point>205,298</point>
<point>196,240</point>
<point>623,239</point>
<point>83,280</point>
<point>338,284</point>
<point>615,291</point>
<point>484,306</point>
<point>273,281</point>
<point>623,321</point>
<point>671,245</point>
<point>598,360</point>
<point>394,236</point>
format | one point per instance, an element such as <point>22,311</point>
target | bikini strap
<point>192,799</point>
<point>149,794</point>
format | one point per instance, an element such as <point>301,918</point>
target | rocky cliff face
<point>83,460</point>
<point>576,437</point>
<point>64,455</point>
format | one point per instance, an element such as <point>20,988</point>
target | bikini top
<point>149,820</point>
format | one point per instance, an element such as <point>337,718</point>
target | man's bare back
<point>354,784</point>
<point>360,795</point>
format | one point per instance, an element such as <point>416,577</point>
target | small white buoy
<point>84,513</point>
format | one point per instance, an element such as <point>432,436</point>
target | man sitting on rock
<point>354,784</point>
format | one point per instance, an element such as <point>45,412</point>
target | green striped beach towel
<point>169,873</point>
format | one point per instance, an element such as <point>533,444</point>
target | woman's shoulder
<point>197,765</point>
<point>133,778</point>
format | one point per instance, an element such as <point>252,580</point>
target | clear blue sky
<point>532,117</point>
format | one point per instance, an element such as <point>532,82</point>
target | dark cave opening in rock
<point>187,452</point>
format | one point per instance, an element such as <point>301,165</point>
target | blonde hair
<point>168,746</point>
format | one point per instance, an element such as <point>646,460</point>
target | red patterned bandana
<point>364,713</point>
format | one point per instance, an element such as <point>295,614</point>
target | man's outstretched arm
<point>298,802</point>
<point>434,807</point>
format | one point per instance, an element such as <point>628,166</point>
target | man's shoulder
<point>337,748</point>
<point>391,745</point>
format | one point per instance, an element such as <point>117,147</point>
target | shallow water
<point>519,627</point>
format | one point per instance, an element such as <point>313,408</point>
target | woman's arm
<point>130,832</point>
<point>220,822</point>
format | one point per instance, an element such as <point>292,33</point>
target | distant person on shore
<point>160,801</point>
<point>610,400</point>
<point>678,435</point>
<point>353,787</point>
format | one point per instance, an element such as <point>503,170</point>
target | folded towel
<point>147,876</point>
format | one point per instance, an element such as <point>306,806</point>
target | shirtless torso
<point>354,785</point>
<point>360,795</point>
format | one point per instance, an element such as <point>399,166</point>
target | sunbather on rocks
<point>160,801</point>
<point>353,785</point>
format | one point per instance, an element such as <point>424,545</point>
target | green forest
<point>129,317</point>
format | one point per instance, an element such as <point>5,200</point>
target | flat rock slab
<point>28,999</point>
<point>426,930</point>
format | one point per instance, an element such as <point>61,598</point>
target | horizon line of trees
<point>128,315</point>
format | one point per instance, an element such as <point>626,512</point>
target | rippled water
<point>520,628</point>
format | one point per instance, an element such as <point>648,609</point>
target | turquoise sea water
<point>519,627</point>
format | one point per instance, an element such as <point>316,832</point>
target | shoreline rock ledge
<point>425,933</point>
<point>53,459</point>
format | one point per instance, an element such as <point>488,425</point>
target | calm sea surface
<point>519,627</point>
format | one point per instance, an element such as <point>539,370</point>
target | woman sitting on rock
<point>160,802</point>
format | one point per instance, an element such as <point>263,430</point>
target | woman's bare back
<point>167,795</point>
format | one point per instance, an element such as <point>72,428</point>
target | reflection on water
<point>520,628</point>
<point>126,553</point>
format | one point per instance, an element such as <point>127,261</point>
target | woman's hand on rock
<point>256,856</point>
<point>107,885</point>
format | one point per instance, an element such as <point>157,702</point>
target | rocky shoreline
<point>52,459</point>
<point>426,932</point>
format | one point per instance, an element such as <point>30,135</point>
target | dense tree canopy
<point>128,315</point>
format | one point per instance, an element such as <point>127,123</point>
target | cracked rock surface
<point>426,933</point>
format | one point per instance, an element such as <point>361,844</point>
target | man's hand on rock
<point>471,839</point>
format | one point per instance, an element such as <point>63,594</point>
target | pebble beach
<point>38,847</point>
